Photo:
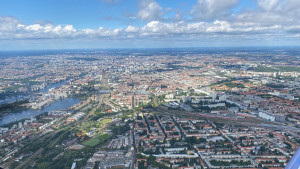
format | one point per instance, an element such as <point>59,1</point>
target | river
<point>24,97</point>
<point>54,85</point>
<point>58,105</point>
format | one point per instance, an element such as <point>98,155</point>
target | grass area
<point>105,121</point>
<point>97,140</point>
<point>228,84</point>
<point>277,69</point>
<point>198,75</point>
<point>232,85</point>
<point>92,143</point>
<point>86,126</point>
<point>267,96</point>
<point>103,137</point>
<point>275,86</point>
<point>288,69</point>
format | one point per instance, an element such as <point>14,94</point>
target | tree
<point>271,135</point>
<point>262,148</point>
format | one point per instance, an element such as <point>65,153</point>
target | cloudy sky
<point>68,24</point>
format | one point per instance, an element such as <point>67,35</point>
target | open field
<point>98,139</point>
<point>105,121</point>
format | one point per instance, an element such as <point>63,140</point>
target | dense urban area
<point>152,108</point>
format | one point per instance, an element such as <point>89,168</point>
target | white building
<point>267,116</point>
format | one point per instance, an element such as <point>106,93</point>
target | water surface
<point>58,105</point>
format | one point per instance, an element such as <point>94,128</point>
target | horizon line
<point>147,48</point>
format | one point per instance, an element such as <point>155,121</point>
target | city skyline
<point>150,108</point>
<point>74,24</point>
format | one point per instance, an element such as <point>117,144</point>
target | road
<point>240,147</point>
<point>134,146</point>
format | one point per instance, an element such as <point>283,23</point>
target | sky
<point>79,24</point>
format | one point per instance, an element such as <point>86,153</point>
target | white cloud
<point>269,5</point>
<point>149,10</point>
<point>280,6</point>
<point>44,31</point>
<point>8,24</point>
<point>293,29</point>
<point>283,11</point>
<point>263,23</point>
<point>12,28</point>
<point>213,9</point>
<point>131,29</point>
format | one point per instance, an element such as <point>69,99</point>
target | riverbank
<point>58,105</point>
<point>10,108</point>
